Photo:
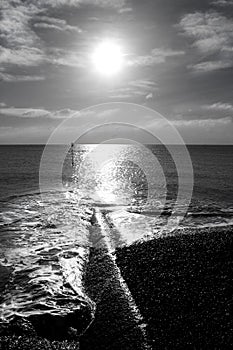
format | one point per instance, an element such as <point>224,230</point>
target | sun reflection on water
<point>112,174</point>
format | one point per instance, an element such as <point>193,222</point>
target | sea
<point>144,191</point>
<point>212,173</point>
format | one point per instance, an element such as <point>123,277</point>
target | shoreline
<point>180,284</point>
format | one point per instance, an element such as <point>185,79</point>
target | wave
<point>11,197</point>
<point>45,253</point>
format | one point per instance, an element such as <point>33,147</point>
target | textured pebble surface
<point>183,288</point>
<point>180,284</point>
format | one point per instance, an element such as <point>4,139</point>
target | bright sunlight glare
<point>108,58</point>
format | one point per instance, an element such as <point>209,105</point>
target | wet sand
<point>181,286</point>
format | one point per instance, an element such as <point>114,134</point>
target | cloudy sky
<point>178,60</point>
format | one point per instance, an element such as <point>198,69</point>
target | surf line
<point>103,242</point>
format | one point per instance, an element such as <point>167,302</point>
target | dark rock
<point>58,326</point>
<point>18,326</point>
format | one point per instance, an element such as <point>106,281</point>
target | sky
<point>178,61</point>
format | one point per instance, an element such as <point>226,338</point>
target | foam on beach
<point>66,264</point>
<point>46,251</point>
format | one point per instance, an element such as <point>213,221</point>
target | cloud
<point>222,2</point>
<point>2,104</point>
<point>63,113</point>
<point>14,24</point>
<point>210,31</point>
<point>126,10</point>
<point>32,57</point>
<point>21,44</point>
<point>155,57</point>
<point>63,57</point>
<point>149,96</point>
<point>209,66</point>
<point>220,106</point>
<point>23,112</point>
<point>77,3</point>
<point>42,25</point>
<point>143,84</point>
<point>23,56</point>
<point>119,4</point>
<point>209,112</point>
<point>212,35</point>
<point>19,78</point>
<point>203,123</point>
<point>134,88</point>
<point>36,113</point>
<point>45,22</point>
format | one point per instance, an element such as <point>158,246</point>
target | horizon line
<point>159,144</point>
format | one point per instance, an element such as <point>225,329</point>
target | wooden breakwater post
<point>72,154</point>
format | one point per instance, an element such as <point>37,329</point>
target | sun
<point>108,58</point>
